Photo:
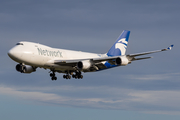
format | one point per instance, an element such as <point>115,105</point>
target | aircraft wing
<point>132,56</point>
<point>110,59</point>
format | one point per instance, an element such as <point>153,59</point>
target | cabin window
<point>19,44</point>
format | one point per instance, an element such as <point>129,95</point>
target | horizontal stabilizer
<point>141,58</point>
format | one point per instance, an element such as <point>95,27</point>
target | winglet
<point>169,48</point>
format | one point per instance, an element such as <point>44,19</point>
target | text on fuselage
<point>49,53</point>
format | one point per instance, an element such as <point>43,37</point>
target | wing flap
<point>101,66</point>
<point>94,60</point>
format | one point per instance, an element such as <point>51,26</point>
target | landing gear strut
<point>53,76</point>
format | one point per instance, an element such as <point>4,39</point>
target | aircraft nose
<point>11,53</point>
<point>14,54</point>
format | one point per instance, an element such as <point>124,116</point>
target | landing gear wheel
<point>53,76</point>
<point>67,76</point>
<point>64,76</point>
<point>81,76</point>
<point>76,77</point>
<point>73,76</point>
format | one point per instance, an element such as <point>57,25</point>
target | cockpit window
<point>19,44</point>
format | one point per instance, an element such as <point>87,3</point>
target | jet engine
<point>84,65</point>
<point>122,61</point>
<point>25,68</point>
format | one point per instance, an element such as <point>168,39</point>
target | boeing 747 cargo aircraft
<point>30,56</point>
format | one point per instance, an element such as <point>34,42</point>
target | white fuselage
<point>39,55</point>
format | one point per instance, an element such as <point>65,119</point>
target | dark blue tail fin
<point>120,46</point>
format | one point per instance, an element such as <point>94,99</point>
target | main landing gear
<point>67,76</point>
<point>76,75</point>
<point>53,76</point>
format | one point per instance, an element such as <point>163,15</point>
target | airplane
<point>30,56</point>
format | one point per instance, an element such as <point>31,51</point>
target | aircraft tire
<point>54,78</point>
<point>81,76</point>
<point>73,76</point>
<point>64,76</point>
<point>51,75</point>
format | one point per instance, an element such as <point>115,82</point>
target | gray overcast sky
<point>147,89</point>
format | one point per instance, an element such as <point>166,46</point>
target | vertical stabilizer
<point>120,46</point>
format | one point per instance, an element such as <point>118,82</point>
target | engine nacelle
<point>122,61</point>
<point>84,65</point>
<point>25,68</point>
<point>28,69</point>
<point>19,67</point>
